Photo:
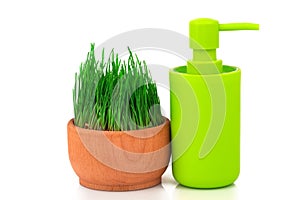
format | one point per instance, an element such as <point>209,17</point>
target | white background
<point>43,42</point>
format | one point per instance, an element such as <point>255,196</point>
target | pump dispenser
<point>205,111</point>
<point>204,40</point>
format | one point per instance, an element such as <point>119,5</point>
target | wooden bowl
<point>119,160</point>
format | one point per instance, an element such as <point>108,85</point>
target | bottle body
<point>205,127</point>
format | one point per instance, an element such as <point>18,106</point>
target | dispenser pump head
<point>204,37</point>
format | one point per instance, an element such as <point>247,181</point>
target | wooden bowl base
<point>120,187</point>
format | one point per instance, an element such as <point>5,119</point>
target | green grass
<point>115,94</point>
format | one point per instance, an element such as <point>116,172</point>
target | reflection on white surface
<point>157,193</point>
<point>169,189</point>
<point>185,193</point>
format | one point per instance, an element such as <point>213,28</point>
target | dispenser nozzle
<point>238,26</point>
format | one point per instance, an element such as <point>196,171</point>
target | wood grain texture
<point>117,160</point>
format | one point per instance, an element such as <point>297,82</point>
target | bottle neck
<point>204,62</point>
<point>204,55</point>
<point>204,68</point>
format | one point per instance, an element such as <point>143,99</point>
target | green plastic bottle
<point>205,111</point>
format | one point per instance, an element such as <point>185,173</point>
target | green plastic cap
<point>204,40</point>
<point>204,34</point>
